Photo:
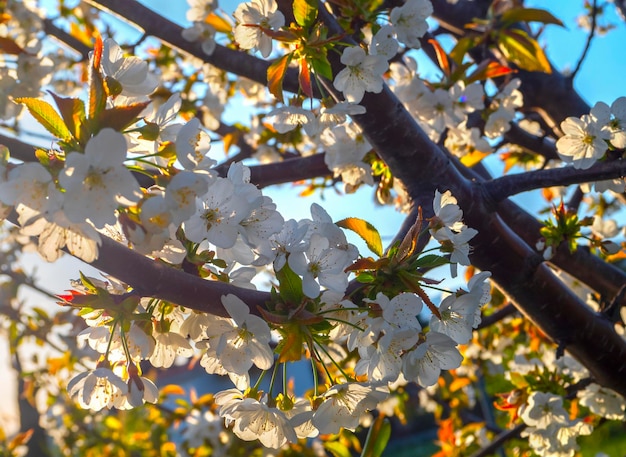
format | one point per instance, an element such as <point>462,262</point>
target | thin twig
<point>500,440</point>
<point>592,32</point>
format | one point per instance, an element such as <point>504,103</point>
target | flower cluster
<point>586,139</point>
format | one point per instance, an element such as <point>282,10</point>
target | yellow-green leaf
<point>366,231</point>
<point>524,51</point>
<point>530,15</point>
<point>337,449</point>
<point>462,47</point>
<point>305,12</point>
<point>47,117</point>
<point>275,75</point>
<point>377,438</point>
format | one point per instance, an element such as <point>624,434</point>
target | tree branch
<point>67,39</point>
<point>542,146</point>
<point>500,188</point>
<point>18,149</point>
<point>153,24</point>
<point>500,440</point>
<point>151,278</point>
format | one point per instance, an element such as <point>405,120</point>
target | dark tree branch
<point>422,166</point>
<point>18,149</point>
<point>500,188</point>
<point>502,313</point>
<point>151,278</point>
<point>500,440</point>
<point>67,39</point>
<point>538,145</point>
<point>153,24</point>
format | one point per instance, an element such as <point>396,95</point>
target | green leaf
<point>305,12</point>
<point>366,231</point>
<point>4,155</point>
<point>337,449</point>
<point>377,438</point>
<point>321,67</point>
<point>290,285</point>
<point>275,75</point>
<point>47,117</point>
<point>462,47</point>
<point>524,51</point>
<point>529,15</point>
<point>430,261</point>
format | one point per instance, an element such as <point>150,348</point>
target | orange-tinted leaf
<point>275,75</point>
<point>97,52</point>
<point>366,231</point>
<point>218,23</point>
<point>442,57</point>
<point>80,34</point>
<point>471,159</point>
<point>172,389</point>
<point>459,383</point>
<point>304,78</point>
<point>290,347</point>
<point>489,70</point>
<point>365,263</point>
<point>120,117</point>
<point>8,46</point>
<point>229,140</point>
<point>22,438</point>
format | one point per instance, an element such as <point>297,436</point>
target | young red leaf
<point>304,78</point>
<point>120,117</point>
<point>489,70</point>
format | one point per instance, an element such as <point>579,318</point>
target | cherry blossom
<point>131,73</point>
<point>97,181</point>
<point>363,73</point>
<point>409,21</point>
<point>251,18</point>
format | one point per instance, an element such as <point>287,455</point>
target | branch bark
<point>500,188</point>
